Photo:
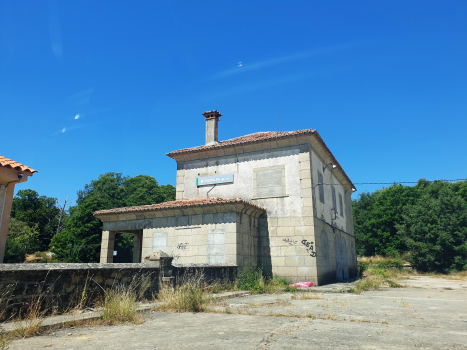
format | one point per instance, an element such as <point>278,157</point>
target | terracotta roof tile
<point>247,139</point>
<point>261,137</point>
<point>187,203</point>
<point>8,163</point>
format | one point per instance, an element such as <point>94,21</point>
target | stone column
<point>137,246</point>
<point>107,247</point>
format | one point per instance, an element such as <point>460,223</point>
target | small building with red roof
<point>11,173</point>
<point>276,199</point>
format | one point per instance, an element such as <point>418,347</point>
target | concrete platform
<point>430,313</point>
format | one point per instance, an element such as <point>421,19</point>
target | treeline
<point>426,223</point>
<point>38,223</point>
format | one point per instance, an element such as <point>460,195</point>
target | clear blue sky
<point>88,87</point>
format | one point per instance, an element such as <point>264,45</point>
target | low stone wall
<point>64,286</point>
<point>210,272</point>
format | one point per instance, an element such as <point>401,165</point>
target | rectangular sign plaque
<point>212,180</point>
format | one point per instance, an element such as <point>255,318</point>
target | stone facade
<point>220,233</point>
<point>304,231</point>
<point>295,222</point>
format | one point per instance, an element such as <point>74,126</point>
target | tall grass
<point>375,272</point>
<point>5,295</point>
<point>187,295</point>
<point>254,281</point>
<point>119,303</point>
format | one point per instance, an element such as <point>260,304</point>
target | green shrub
<point>252,280</point>
<point>14,252</point>
<point>362,266</point>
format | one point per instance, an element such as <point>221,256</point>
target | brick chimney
<point>212,128</point>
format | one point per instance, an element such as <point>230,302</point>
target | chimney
<point>212,121</point>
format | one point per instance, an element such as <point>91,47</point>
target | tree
<point>436,230</point>
<point>14,252</point>
<point>28,237</point>
<point>37,211</point>
<point>376,218</point>
<point>80,240</point>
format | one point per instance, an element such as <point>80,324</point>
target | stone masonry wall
<point>61,285</point>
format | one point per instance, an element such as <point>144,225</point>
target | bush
<point>362,266</point>
<point>14,252</point>
<point>252,280</point>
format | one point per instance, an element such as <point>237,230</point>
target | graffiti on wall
<point>290,241</point>
<point>182,246</point>
<point>309,247</point>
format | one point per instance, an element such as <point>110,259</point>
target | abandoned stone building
<point>276,199</point>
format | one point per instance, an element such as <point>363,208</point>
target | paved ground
<point>430,314</point>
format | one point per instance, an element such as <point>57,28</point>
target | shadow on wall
<point>264,249</point>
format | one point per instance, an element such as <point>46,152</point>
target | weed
<point>30,324</point>
<point>187,296</point>
<point>307,296</point>
<point>254,281</point>
<point>4,339</point>
<point>372,282</point>
<point>119,304</point>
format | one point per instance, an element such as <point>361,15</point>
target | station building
<point>276,199</point>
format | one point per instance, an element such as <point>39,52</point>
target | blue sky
<point>88,87</point>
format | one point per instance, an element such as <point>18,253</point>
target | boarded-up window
<point>269,182</point>
<point>160,242</point>
<point>341,205</point>
<point>216,247</point>
<point>334,204</point>
<point>321,187</point>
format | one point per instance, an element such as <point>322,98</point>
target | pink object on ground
<point>302,284</point>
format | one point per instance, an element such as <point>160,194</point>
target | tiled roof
<point>247,139</point>
<point>187,203</point>
<point>8,163</point>
<point>262,137</point>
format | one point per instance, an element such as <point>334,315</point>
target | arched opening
<point>337,249</point>
<point>345,264</point>
<point>324,249</point>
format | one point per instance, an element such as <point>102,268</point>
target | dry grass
<point>4,339</point>
<point>372,282</point>
<point>119,304</point>
<point>29,324</point>
<point>188,295</point>
<point>307,296</point>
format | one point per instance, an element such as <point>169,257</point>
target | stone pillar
<point>137,246</point>
<point>107,247</point>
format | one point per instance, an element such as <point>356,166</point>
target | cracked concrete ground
<point>431,313</point>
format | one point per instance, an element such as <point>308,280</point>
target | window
<point>334,204</point>
<point>341,205</point>
<point>321,187</point>
<point>269,182</point>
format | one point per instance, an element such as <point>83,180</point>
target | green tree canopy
<point>40,212</point>
<point>427,220</point>
<point>28,237</point>
<point>376,217</point>
<point>80,240</point>
<point>436,231</point>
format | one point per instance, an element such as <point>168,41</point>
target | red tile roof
<point>261,137</point>
<point>247,139</point>
<point>8,163</point>
<point>187,203</point>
